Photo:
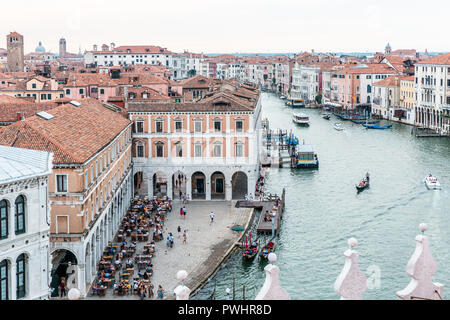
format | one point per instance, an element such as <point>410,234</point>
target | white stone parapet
<point>272,289</point>
<point>421,266</point>
<point>351,282</point>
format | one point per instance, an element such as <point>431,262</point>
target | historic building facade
<point>24,223</point>
<point>432,93</point>
<point>91,185</point>
<point>207,149</point>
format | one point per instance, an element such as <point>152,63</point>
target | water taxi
<point>432,183</point>
<point>338,127</point>
<point>300,119</point>
<point>306,157</point>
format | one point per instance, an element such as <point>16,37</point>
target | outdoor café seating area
<point>126,265</point>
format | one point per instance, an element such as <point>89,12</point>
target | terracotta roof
<point>390,81</point>
<point>10,107</point>
<point>443,59</point>
<point>197,81</point>
<point>74,135</point>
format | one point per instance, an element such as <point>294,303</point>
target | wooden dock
<point>266,226</point>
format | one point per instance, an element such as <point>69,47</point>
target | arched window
<point>20,215</point>
<point>3,219</point>
<point>4,280</point>
<point>369,89</point>
<point>20,276</point>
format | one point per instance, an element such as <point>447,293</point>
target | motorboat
<point>338,127</point>
<point>300,119</point>
<point>283,97</point>
<point>432,183</point>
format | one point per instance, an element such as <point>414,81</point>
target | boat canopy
<point>331,104</point>
<point>305,148</point>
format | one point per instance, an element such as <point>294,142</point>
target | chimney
<point>95,47</point>
<point>20,116</point>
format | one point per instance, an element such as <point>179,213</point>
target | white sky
<point>230,26</point>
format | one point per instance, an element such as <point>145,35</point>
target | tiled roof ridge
<point>50,139</point>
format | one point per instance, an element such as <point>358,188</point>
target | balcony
<point>428,86</point>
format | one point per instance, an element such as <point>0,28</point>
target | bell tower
<point>62,48</point>
<point>14,44</point>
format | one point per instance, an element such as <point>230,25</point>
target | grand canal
<point>323,209</point>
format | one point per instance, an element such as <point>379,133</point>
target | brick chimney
<point>20,116</point>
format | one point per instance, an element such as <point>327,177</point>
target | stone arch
<point>62,260</point>
<point>139,184</point>
<point>198,185</point>
<point>218,186</point>
<point>179,184</point>
<point>160,184</point>
<point>239,185</point>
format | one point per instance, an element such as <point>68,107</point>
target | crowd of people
<point>119,262</point>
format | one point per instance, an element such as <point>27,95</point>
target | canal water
<point>323,210</point>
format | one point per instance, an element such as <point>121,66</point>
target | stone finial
<point>272,289</point>
<point>351,282</point>
<point>421,266</point>
<point>74,294</point>
<point>182,292</point>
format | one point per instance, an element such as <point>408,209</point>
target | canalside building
<point>24,223</point>
<point>207,148</point>
<point>91,184</point>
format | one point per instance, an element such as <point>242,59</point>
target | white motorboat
<point>432,183</point>
<point>283,97</point>
<point>300,119</point>
<point>338,126</point>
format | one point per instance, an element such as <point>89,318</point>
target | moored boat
<point>306,157</point>
<point>267,249</point>
<point>300,119</point>
<point>432,183</point>
<point>377,126</point>
<point>365,121</point>
<point>250,251</point>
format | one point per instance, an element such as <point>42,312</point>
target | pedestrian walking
<point>184,212</point>
<point>179,232</point>
<point>211,215</point>
<point>181,212</point>
<point>185,236</point>
<point>160,293</point>
<point>62,289</point>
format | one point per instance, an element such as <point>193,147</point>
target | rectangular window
<point>4,280</point>
<point>217,126</point>
<point>178,126</point>
<point>159,126</point>
<point>239,126</point>
<point>140,126</point>
<point>61,183</point>
<point>198,150</point>
<point>217,150</point>
<point>86,179</point>
<point>140,151</point>
<point>239,150</point>
<point>198,126</point>
<point>179,150</point>
<point>159,150</point>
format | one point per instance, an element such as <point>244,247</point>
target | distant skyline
<point>231,26</point>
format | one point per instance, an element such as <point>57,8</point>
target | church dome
<point>40,48</point>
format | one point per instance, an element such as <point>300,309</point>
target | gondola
<point>326,116</point>
<point>362,185</point>
<point>250,251</point>
<point>267,249</point>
